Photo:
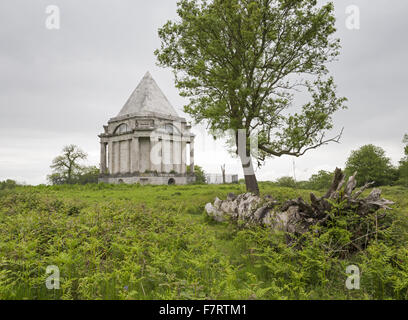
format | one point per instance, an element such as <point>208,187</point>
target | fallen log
<point>296,216</point>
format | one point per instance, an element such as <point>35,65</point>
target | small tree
<point>66,167</point>
<point>242,62</point>
<point>371,164</point>
<point>199,174</point>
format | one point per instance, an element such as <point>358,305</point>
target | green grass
<point>155,242</point>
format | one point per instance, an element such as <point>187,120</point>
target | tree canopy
<point>372,165</point>
<point>241,63</point>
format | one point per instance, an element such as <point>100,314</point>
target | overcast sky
<point>60,87</point>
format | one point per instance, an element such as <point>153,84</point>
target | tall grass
<point>155,242</point>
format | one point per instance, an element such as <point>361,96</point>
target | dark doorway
<point>172,181</point>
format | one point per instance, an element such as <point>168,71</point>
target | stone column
<point>171,148</point>
<point>135,155</point>
<point>183,157</point>
<point>116,160</point>
<point>103,158</point>
<point>163,155</point>
<point>129,164</point>
<point>176,154</point>
<point>192,155</point>
<point>155,159</point>
<point>166,163</point>
<point>110,157</point>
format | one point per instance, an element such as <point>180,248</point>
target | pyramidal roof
<point>147,99</point>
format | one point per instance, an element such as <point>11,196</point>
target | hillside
<point>155,242</point>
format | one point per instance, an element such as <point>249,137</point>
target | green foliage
<point>241,63</point>
<point>83,175</point>
<point>8,184</point>
<point>287,182</point>
<point>88,175</point>
<point>154,242</point>
<point>403,165</point>
<point>403,173</point>
<point>371,164</point>
<point>199,174</point>
<point>67,169</point>
<point>321,180</point>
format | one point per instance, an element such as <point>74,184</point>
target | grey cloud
<point>59,87</point>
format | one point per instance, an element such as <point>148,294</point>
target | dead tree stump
<point>297,216</point>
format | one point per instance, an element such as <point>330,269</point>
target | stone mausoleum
<point>147,141</point>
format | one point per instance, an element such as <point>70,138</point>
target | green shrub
<point>287,182</point>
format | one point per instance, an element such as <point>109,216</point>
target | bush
<point>286,182</point>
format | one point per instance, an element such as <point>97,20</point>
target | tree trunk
<point>250,178</point>
<point>252,184</point>
<point>244,153</point>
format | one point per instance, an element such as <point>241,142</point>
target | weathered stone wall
<point>147,180</point>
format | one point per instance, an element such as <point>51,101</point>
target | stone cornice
<point>147,115</point>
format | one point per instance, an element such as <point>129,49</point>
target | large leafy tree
<point>371,165</point>
<point>241,63</point>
